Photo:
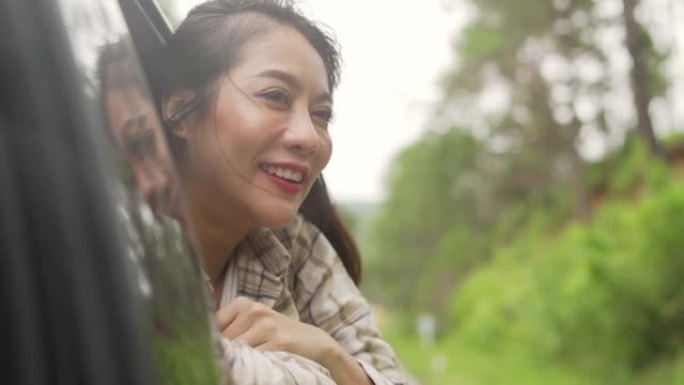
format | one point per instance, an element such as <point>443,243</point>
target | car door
<point>98,283</point>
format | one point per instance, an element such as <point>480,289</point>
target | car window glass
<point>146,192</point>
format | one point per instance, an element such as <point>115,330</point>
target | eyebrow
<point>293,82</point>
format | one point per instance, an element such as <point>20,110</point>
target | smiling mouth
<point>292,176</point>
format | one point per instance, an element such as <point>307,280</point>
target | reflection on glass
<point>152,212</point>
<point>136,131</point>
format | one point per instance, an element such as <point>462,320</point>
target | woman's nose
<point>302,136</point>
<point>154,185</point>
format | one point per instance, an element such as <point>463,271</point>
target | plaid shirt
<point>296,272</point>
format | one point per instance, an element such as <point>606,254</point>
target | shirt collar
<point>272,247</point>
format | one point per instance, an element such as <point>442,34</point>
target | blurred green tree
<point>638,42</point>
<point>504,150</point>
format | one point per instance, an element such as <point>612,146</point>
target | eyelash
<point>277,96</point>
<point>326,115</point>
<point>283,98</point>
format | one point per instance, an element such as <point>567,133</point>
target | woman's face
<point>265,141</point>
<point>140,140</point>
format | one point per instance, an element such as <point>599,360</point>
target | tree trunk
<point>641,88</point>
<point>583,211</point>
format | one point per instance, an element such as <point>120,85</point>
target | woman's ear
<point>175,104</point>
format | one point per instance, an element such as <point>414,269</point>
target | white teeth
<point>284,173</point>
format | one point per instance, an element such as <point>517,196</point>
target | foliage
<point>541,266</point>
<point>482,175</point>
<point>593,304</point>
<point>604,296</point>
<point>186,359</point>
<point>622,173</point>
<point>436,189</point>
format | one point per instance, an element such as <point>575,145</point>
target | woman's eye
<point>277,96</point>
<point>142,145</point>
<point>322,116</point>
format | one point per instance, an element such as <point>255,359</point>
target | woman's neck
<point>218,229</point>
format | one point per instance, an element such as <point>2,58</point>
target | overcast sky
<point>393,53</point>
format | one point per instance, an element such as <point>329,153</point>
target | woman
<point>247,121</point>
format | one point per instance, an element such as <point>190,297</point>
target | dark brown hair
<point>207,44</point>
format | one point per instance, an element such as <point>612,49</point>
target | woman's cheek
<point>327,151</point>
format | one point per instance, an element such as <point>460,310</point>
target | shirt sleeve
<point>327,297</point>
<point>245,365</point>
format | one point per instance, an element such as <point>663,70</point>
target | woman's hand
<point>265,329</point>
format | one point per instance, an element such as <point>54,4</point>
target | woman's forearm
<point>344,368</point>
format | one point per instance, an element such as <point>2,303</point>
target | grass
<point>453,362</point>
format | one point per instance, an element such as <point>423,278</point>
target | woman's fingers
<point>253,337</point>
<point>243,315</point>
<point>255,326</point>
<point>227,314</point>
<point>265,329</point>
<point>237,328</point>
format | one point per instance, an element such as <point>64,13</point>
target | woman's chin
<point>276,215</point>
